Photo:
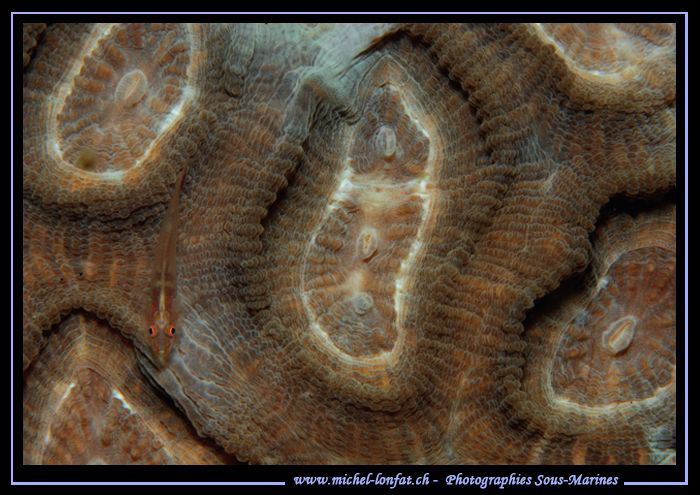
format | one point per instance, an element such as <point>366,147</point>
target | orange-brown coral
<point>93,406</point>
<point>602,346</point>
<point>30,33</point>
<point>368,215</point>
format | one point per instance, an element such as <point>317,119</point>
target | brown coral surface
<point>391,243</point>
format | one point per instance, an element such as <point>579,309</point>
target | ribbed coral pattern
<point>392,243</point>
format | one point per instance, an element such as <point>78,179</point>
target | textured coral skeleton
<point>443,243</point>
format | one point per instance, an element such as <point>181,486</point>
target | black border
<point>52,474</point>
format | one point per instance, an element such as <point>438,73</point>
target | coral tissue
<point>395,243</point>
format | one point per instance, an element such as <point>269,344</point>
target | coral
<point>603,345</point>
<point>31,32</point>
<point>93,406</point>
<point>395,230</point>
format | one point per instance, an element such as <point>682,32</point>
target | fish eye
<point>170,331</point>
<point>152,332</point>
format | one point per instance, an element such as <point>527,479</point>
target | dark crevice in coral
<point>637,204</point>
